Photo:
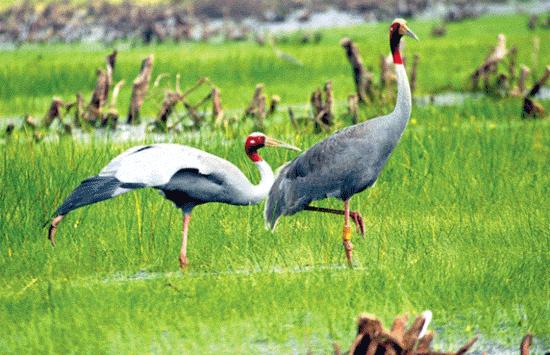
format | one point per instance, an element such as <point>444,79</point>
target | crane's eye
<point>253,142</point>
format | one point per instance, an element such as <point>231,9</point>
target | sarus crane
<point>186,176</point>
<point>347,162</point>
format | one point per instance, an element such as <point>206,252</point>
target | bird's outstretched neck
<point>403,104</point>
<point>256,193</point>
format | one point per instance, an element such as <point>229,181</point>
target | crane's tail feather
<point>274,206</point>
<point>94,189</point>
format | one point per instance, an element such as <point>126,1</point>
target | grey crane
<point>186,176</point>
<point>347,162</point>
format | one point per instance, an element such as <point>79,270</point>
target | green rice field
<point>457,223</point>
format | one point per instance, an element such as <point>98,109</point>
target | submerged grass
<point>458,223</point>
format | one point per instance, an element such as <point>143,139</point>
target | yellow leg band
<point>346,234</point>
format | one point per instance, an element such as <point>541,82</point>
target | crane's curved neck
<point>403,104</point>
<point>256,193</point>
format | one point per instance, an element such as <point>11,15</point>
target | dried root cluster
<point>373,339</point>
<point>500,75</point>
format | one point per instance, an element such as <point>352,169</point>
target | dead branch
<point>253,105</point>
<point>111,118</point>
<point>353,109</point>
<point>53,112</point>
<point>293,119</point>
<point>361,77</point>
<point>217,109</point>
<point>326,118</point>
<point>532,24</point>
<point>196,117</point>
<point>316,101</point>
<point>439,31</point>
<point>275,100</point>
<point>512,61</point>
<point>172,98</point>
<point>158,79</point>
<point>535,89</point>
<point>261,113</point>
<point>99,96</point>
<point>386,74</point>
<point>9,129</point>
<point>111,61</point>
<point>523,78</point>
<point>532,109</point>
<point>491,61</point>
<point>139,89</point>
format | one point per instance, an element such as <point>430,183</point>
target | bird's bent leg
<point>355,216</point>
<point>53,229</point>
<point>346,233</point>
<point>183,252</point>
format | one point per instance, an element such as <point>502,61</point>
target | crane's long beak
<point>272,142</point>
<point>411,34</point>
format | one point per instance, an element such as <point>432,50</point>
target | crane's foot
<point>53,229</point>
<point>183,261</point>
<point>359,224</point>
<point>348,246</point>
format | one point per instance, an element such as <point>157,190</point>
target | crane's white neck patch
<point>260,191</point>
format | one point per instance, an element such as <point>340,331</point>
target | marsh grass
<point>457,223</point>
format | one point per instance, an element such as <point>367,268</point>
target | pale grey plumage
<point>343,164</point>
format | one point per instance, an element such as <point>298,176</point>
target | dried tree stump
<point>326,118</point>
<point>373,339</point>
<point>293,119</point>
<point>275,100</point>
<point>217,109</point>
<point>111,118</point>
<point>353,108</point>
<point>53,112</point>
<point>139,89</point>
<point>532,109</point>
<point>361,77</point>
<point>99,96</point>
<point>498,53</point>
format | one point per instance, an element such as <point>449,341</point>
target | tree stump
<point>139,89</point>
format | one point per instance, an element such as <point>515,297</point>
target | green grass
<point>33,74</point>
<point>458,222</point>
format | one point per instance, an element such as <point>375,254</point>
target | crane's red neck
<point>395,38</point>
<point>252,145</point>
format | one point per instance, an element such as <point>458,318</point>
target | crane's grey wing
<point>144,166</point>
<point>341,165</point>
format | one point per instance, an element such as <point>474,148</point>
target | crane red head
<point>399,29</point>
<point>257,140</point>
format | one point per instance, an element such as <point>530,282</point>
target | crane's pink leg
<point>183,252</point>
<point>346,234</point>
<point>53,229</point>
